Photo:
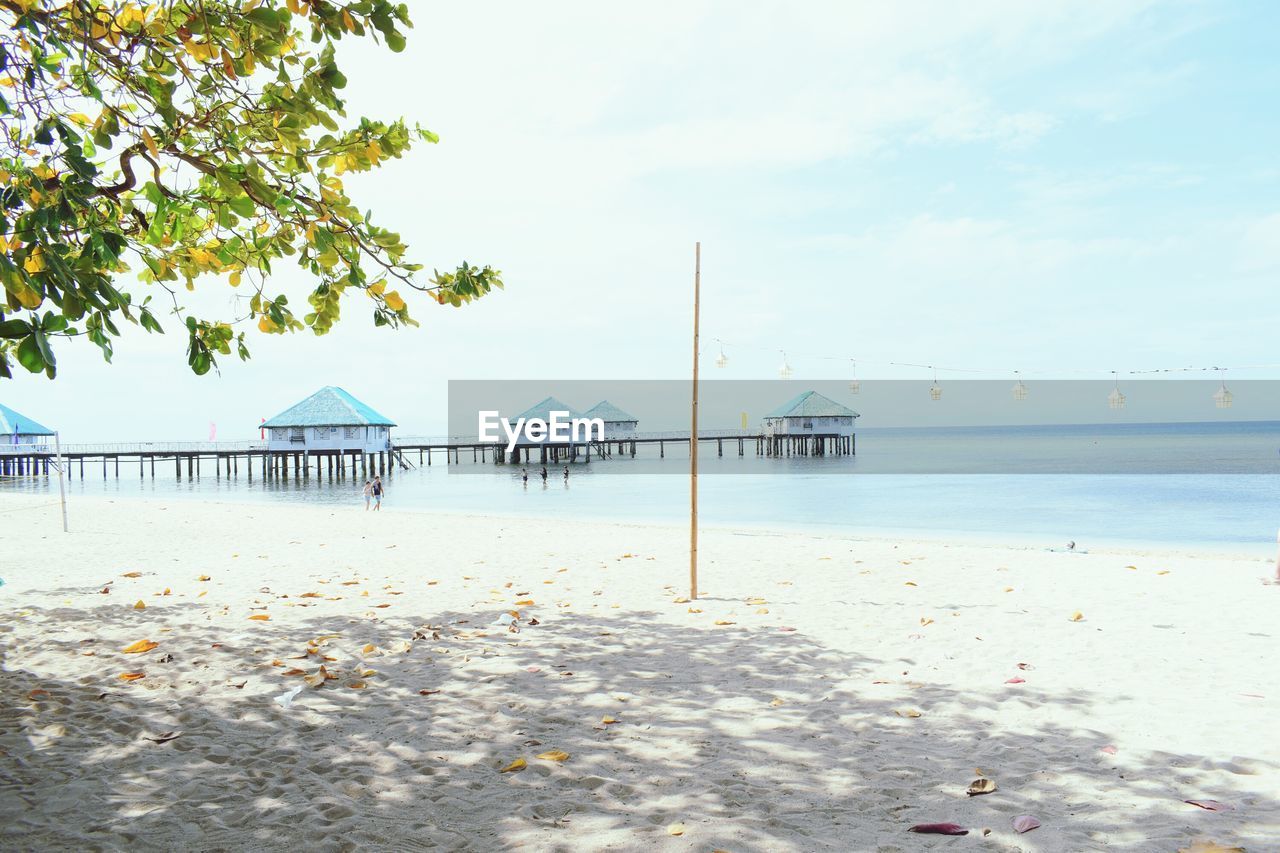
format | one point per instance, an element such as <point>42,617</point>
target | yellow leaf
<point>377,288</point>
<point>723,622</point>
<point>369,649</point>
<point>235,278</point>
<point>910,583</point>
<point>981,786</point>
<point>680,599</point>
<point>515,766</point>
<point>166,591</point>
<point>139,647</point>
<point>907,712</point>
<point>1209,847</point>
<point>265,324</point>
<point>394,301</point>
<point>675,829</point>
<point>526,602</point>
<point>554,755</point>
<point>348,21</point>
<point>1077,616</point>
<point>131,676</point>
<point>608,721</point>
<point>776,702</point>
<point>35,261</point>
<point>695,609</point>
<point>357,685</point>
<point>149,141</point>
<point>203,578</point>
<point>260,617</point>
<point>925,620</point>
<point>203,593</point>
<point>762,610</point>
<point>141,605</point>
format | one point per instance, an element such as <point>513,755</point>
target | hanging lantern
<point>854,385</point>
<point>1019,390</point>
<point>785,370</point>
<point>1222,398</point>
<point>721,359</point>
<point>1116,399</point>
<point>935,390</point>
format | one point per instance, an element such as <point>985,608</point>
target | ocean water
<point>1095,485</point>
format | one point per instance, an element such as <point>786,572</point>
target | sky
<point>1057,188</point>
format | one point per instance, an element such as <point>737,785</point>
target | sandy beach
<point>824,693</point>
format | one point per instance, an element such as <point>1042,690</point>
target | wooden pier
<point>250,458</point>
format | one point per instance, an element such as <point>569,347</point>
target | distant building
<point>810,414</point>
<point>542,411</point>
<point>617,423</point>
<point>330,420</point>
<point>17,428</point>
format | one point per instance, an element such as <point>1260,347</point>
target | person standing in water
<point>377,493</point>
<point>544,475</point>
<point>368,493</point>
<point>566,473</point>
<point>524,475</point>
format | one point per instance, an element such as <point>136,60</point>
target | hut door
<point>297,435</point>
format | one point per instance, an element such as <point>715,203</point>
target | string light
<point>785,370</point>
<point>1222,398</point>
<point>1019,390</point>
<point>854,385</point>
<point>721,359</point>
<point>1116,399</point>
<point>935,390</point>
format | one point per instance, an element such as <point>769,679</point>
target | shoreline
<point>1263,551</point>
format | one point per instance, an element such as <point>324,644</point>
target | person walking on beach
<point>566,473</point>
<point>544,475</point>
<point>368,494</point>
<point>377,493</point>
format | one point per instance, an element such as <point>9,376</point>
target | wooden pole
<point>693,431</point>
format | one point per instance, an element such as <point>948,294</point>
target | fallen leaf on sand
<point>554,755</point>
<point>981,786</point>
<point>425,692</point>
<point>1015,680</point>
<point>381,605</point>
<point>1211,805</point>
<point>312,595</point>
<point>37,693</point>
<point>139,647</point>
<point>317,678</point>
<point>939,829</point>
<point>1163,572</point>
<point>164,738</point>
<point>925,620</point>
<point>131,575</point>
<point>695,609</point>
<point>141,605</point>
<point>260,617</point>
<point>357,685</point>
<point>525,602</point>
<point>294,671</point>
<point>1024,823</point>
<point>911,583</point>
<point>203,593</point>
<point>680,599</point>
<point>762,611</point>
<point>515,766</point>
<point>369,648</point>
<point>167,591</point>
<point>1077,616</point>
<point>723,622</point>
<point>907,712</point>
<point>786,628</point>
<point>203,578</point>
<point>608,721</point>
<point>1209,847</point>
<point>131,676</point>
<point>675,829</point>
<point>776,702</point>
<point>1109,749</point>
<point>1008,589</point>
<point>1024,666</point>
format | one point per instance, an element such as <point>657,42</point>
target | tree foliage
<point>177,141</point>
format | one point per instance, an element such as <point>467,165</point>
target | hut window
<point>297,434</point>
<point>351,432</point>
<point>279,434</point>
<point>808,424</point>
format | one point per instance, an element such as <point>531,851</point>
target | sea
<point>1212,487</point>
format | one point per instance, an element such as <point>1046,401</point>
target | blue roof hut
<point>810,414</point>
<point>17,428</point>
<point>617,423</point>
<point>330,420</point>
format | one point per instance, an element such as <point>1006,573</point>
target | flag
<point>744,420</point>
<point>262,433</point>
<point>213,431</point>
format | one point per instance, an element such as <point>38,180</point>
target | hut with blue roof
<point>17,428</point>
<point>617,423</point>
<point>330,421</point>
<point>810,424</point>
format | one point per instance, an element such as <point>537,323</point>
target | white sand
<point>753,737</point>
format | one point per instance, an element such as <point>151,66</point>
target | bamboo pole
<point>62,488</point>
<point>693,431</point>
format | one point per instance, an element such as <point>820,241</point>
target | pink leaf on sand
<point>1109,749</point>
<point>1024,823</point>
<point>533,669</point>
<point>786,628</point>
<point>939,829</point>
<point>1212,805</point>
<point>1016,680</point>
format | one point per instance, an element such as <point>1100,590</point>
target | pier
<point>249,458</point>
